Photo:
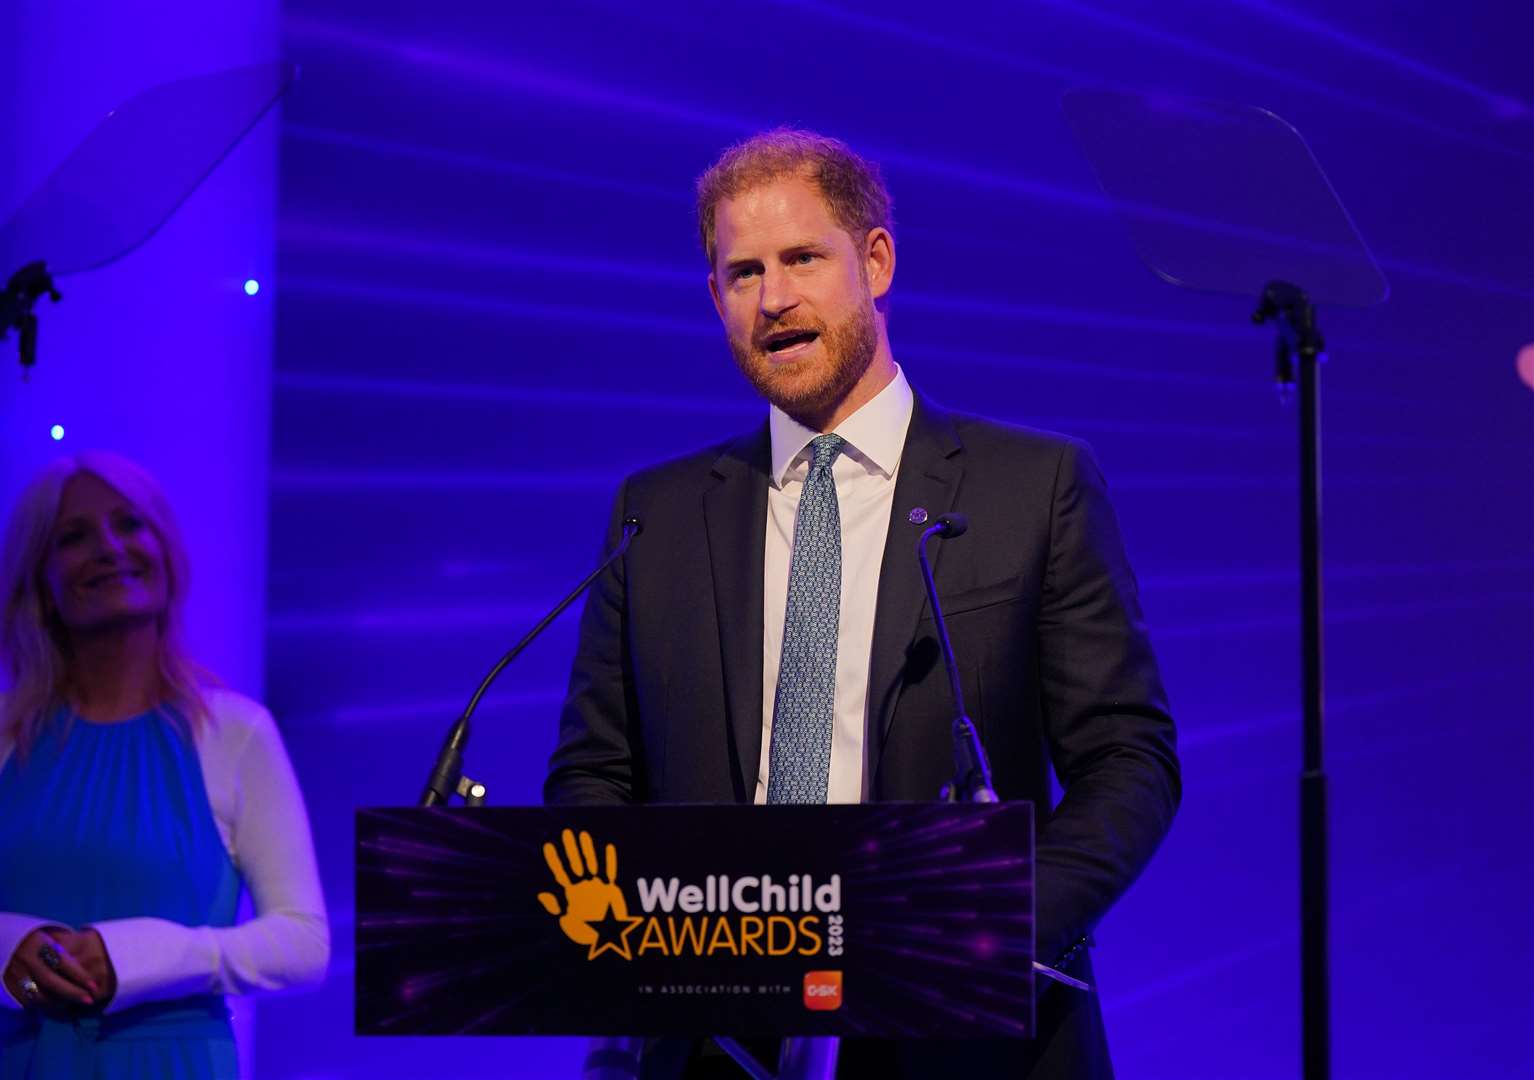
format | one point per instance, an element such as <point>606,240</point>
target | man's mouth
<point>789,342</point>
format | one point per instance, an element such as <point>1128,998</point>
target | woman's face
<point>105,565</point>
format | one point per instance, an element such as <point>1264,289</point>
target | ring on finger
<point>29,988</point>
<point>50,958</point>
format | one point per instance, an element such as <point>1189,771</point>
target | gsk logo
<point>823,990</point>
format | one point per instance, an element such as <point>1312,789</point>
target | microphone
<point>971,770</point>
<point>952,525</point>
<point>447,777</point>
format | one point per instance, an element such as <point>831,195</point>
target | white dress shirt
<point>865,473</point>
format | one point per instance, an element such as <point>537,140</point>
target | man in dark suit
<point>767,639</point>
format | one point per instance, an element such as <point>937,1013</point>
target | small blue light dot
<point>252,287</point>
<point>57,431</point>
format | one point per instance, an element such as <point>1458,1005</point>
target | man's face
<point>792,288</point>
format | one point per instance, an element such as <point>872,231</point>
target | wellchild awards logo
<point>747,915</point>
<point>595,912</point>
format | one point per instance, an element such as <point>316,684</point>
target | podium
<point>887,920</point>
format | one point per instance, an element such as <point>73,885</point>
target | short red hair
<point>851,185</point>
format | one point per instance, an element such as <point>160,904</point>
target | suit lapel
<point>930,471</point>
<point>735,519</point>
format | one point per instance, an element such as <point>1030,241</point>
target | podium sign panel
<point>910,920</point>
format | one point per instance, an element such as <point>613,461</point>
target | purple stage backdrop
<point>490,305</point>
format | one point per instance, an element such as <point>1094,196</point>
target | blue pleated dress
<point>111,821</point>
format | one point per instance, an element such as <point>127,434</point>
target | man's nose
<point>779,294</point>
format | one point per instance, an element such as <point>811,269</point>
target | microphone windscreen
<point>953,524</point>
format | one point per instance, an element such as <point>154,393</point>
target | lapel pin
<point>917,516</point>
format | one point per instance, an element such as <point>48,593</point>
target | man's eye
<point>743,273</point>
<point>804,257</point>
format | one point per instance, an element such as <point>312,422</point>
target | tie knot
<point>824,448</point>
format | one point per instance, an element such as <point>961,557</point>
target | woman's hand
<point>90,953</point>
<point>43,973</point>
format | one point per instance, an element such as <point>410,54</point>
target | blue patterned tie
<point>802,713</point>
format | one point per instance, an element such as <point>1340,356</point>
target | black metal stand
<point>1299,342</point>
<point>801,1057</point>
<point>16,300</point>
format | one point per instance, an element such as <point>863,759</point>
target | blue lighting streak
<point>1150,33</point>
<point>1501,104</point>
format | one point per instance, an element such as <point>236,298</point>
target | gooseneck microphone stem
<point>940,528</point>
<point>971,769</point>
<point>442,784</point>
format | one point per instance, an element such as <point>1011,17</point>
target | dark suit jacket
<point>665,698</point>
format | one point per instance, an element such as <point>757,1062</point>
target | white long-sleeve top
<point>260,815</point>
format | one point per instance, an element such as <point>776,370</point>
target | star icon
<point>612,933</point>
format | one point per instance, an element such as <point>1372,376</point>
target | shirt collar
<point>875,433</point>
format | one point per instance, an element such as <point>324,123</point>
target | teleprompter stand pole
<point>1300,348</point>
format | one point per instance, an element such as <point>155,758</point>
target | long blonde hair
<point>34,644</point>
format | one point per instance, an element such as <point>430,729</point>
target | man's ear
<point>713,291</point>
<point>879,261</point>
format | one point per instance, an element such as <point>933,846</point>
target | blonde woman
<point>135,802</point>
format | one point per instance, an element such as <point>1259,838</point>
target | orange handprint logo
<point>594,912</point>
